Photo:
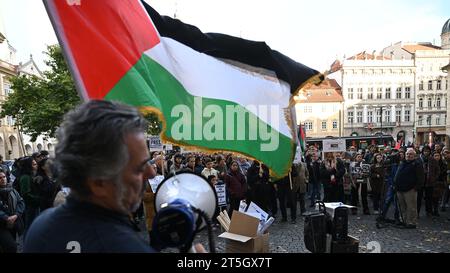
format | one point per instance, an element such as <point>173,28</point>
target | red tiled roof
<point>414,48</point>
<point>366,56</point>
<point>328,91</point>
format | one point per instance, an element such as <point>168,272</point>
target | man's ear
<point>100,187</point>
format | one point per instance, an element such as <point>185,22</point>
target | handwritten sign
<point>155,143</point>
<point>221,194</point>
<point>333,145</point>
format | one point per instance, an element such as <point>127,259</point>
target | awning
<point>443,132</point>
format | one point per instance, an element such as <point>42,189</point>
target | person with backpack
<point>12,207</point>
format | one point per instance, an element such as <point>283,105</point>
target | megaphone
<point>184,203</point>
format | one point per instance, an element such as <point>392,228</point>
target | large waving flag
<point>212,91</point>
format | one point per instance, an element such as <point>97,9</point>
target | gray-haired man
<point>103,157</point>
<point>409,177</point>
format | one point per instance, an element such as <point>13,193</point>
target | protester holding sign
<point>331,173</point>
<point>236,185</point>
<point>360,173</point>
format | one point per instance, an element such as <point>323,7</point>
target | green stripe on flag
<point>149,84</point>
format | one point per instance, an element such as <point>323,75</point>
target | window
<point>438,85</point>
<point>370,116</point>
<point>308,125</point>
<point>438,103</point>
<point>430,85</point>
<point>308,109</point>
<point>359,116</point>
<point>438,120</point>
<point>324,108</point>
<point>421,85</point>
<point>429,103</point>
<point>420,103</point>
<point>350,93</point>
<point>378,112</point>
<point>399,93</point>
<point>335,124</point>
<point>350,116</point>
<point>379,93</point>
<point>9,120</point>
<point>360,93</point>
<point>398,115</point>
<point>335,108</point>
<point>7,88</point>
<point>324,125</point>
<point>407,92</point>
<point>429,120</point>
<point>388,93</point>
<point>387,115</point>
<point>370,93</point>
<point>419,122</point>
<point>407,115</point>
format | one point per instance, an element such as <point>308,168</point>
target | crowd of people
<point>396,179</point>
<point>399,178</point>
<point>26,189</point>
<point>105,187</point>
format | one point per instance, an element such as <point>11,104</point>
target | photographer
<point>360,176</point>
<point>395,160</point>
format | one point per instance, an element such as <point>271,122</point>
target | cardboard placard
<point>155,143</point>
<point>333,145</point>
<point>221,194</point>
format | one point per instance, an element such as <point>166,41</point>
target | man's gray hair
<point>91,142</point>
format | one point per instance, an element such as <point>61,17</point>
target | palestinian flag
<point>212,91</point>
<point>301,137</point>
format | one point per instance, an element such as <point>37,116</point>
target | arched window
<point>429,103</point>
<point>420,103</point>
<point>438,103</point>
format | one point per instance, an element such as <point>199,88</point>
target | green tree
<point>154,124</point>
<point>38,105</point>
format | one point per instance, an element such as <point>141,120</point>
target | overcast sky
<point>311,32</point>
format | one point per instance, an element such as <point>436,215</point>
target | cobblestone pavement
<point>431,236</point>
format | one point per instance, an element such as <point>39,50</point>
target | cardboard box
<point>243,237</point>
<point>351,245</point>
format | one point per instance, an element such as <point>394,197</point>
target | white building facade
<point>13,143</point>
<point>431,87</point>
<point>401,91</point>
<point>379,96</point>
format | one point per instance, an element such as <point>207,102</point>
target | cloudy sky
<point>311,32</point>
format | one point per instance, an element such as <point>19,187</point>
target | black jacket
<point>338,172</point>
<point>83,226</point>
<point>409,175</point>
<point>11,203</point>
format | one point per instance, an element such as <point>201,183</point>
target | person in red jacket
<point>236,186</point>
